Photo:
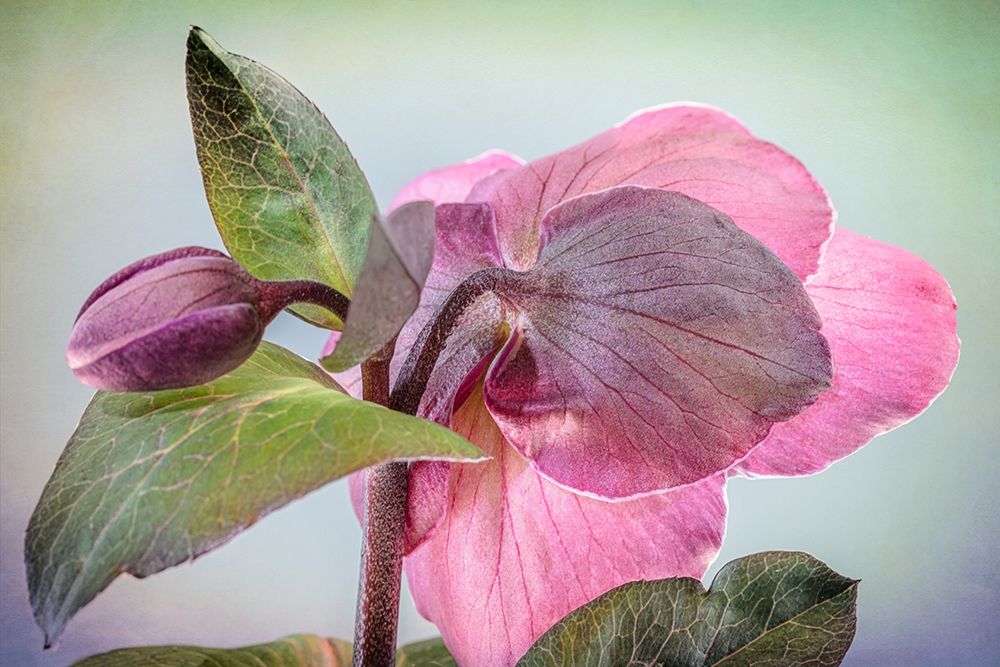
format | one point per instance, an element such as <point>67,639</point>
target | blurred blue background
<point>893,106</point>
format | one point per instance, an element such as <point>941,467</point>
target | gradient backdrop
<point>893,106</point>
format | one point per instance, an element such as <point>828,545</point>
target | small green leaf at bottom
<point>774,608</point>
<point>291,651</point>
<point>428,653</point>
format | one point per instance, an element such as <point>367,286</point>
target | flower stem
<point>384,523</point>
<point>276,296</point>
<point>416,369</point>
<point>381,565</point>
<point>386,486</point>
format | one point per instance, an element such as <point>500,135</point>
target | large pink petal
<point>700,151</point>
<point>659,345</point>
<point>516,553</point>
<point>890,320</point>
<point>453,184</point>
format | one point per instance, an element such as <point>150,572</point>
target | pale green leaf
<point>428,653</point>
<point>400,253</point>
<point>288,198</point>
<point>292,651</point>
<point>150,480</point>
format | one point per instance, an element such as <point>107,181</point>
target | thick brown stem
<point>381,565</point>
<point>419,363</point>
<point>386,488</point>
<point>382,543</point>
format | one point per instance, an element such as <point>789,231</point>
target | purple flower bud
<point>176,319</point>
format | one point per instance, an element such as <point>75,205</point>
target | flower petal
<point>479,335</point>
<point>453,184</point>
<point>515,553</point>
<point>660,343</point>
<point>698,150</point>
<point>890,320</point>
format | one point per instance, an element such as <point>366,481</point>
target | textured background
<point>893,106</point>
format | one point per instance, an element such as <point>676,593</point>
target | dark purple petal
<point>153,308</point>
<point>185,352</point>
<point>659,345</point>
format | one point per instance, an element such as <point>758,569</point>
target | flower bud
<point>172,320</point>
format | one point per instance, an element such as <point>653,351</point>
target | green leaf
<point>288,198</point>
<point>428,653</point>
<point>399,257</point>
<point>150,480</point>
<point>292,651</point>
<point>774,608</point>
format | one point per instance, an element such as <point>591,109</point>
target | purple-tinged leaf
<point>399,256</point>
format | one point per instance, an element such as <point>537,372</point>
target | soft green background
<point>894,107</point>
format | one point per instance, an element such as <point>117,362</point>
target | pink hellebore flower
<point>616,393</point>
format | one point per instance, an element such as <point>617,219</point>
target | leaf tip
<point>335,363</point>
<point>50,621</point>
<point>199,40</point>
<point>51,633</point>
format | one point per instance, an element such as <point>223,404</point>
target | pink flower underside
<point>515,553</point>
<point>881,307</point>
<point>464,245</point>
